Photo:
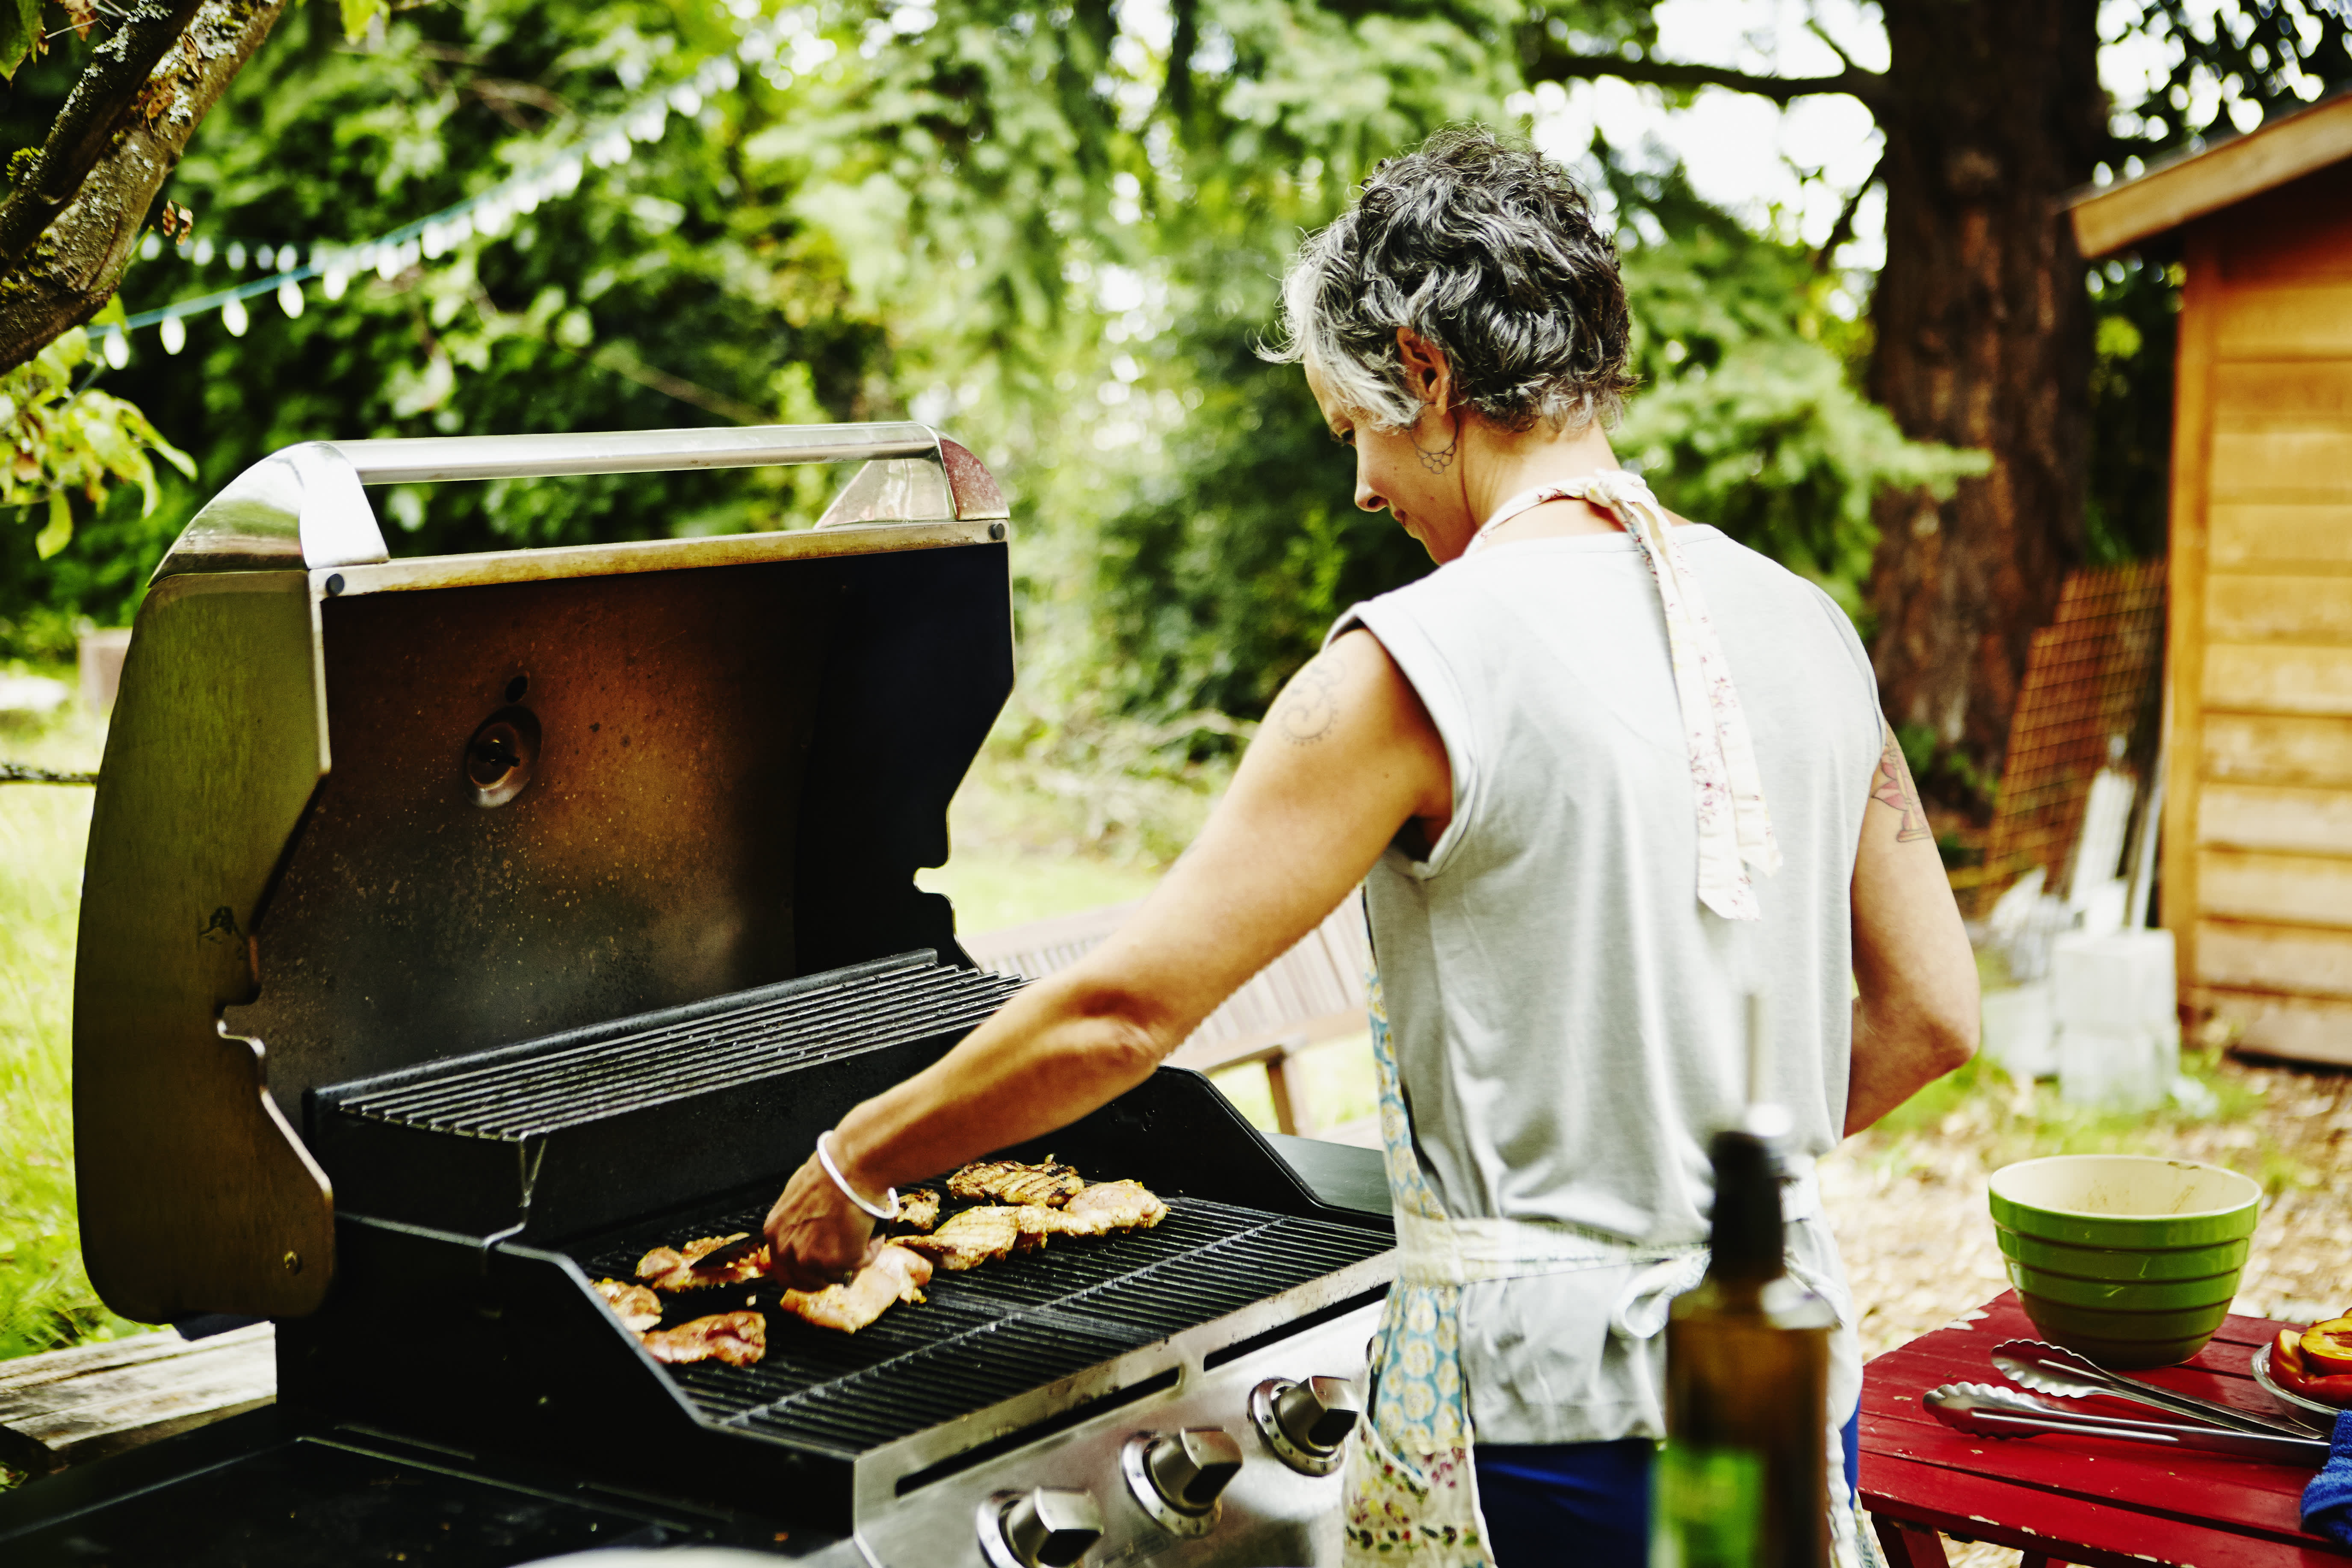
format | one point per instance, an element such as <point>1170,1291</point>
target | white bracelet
<point>824,1158</point>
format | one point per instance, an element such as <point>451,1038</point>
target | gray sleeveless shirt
<point>1567,1018</point>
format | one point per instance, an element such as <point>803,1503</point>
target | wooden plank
<point>2248,607</point>
<point>2314,467</point>
<point>94,1400</point>
<point>2184,649</point>
<point>2262,817</point>
<point>2255,678</point>
<point>2255,748</point>
<point>2263,885</point>
<point>2301,232</point>
<point>2221,1372</point>
<point>2248,955</point>
<point>2185,189</point>
<point>2316,1029</point>
<point>2305,322</point>
<point>2260,1498</point>
<point>2254,537</point>
<point>2285,395</point>
<point>1315,990</point>
<point>1908,1546</point>
<point>1967,1502</point>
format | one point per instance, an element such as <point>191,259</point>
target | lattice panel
<point>2091,686</point>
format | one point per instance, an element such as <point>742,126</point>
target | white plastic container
<point>2117,1070</point>
<point>2021,1030</point>
<point>2120,981</point>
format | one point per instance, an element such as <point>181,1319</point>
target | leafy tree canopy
<point>1052,228</point>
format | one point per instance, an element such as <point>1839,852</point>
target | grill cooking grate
<point>516,1098</point>
<point>990,1333</point>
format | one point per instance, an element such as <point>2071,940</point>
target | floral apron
<point>1411,1483</point>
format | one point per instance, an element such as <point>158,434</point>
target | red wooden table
<point>2062,1498</point>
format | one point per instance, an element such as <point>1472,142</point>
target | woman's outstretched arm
<point>1344,758</point>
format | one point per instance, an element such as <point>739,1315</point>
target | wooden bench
<point>68,1405</point>
<point>1312,994</point>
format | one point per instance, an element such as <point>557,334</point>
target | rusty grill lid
<point>359,814</point>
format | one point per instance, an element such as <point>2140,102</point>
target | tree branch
<point>69,267</point>
<point>1552,61</point>
<point>1843,230</point>
<point>1813,25</point>
<point>107,89</point>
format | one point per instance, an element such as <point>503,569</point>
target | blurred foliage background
<point>1010,219</point>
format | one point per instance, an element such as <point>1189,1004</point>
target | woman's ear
<point>1426,369</point>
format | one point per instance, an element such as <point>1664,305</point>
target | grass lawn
<point>44,1298</point>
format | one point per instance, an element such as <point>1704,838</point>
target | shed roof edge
<point>2194,185</point>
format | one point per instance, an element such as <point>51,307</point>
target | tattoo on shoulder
<point>1310,704</point>
<point>1892,788</point>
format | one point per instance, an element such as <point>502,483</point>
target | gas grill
<point>457,929</point>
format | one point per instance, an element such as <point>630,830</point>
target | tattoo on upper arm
<point>1310,704</point>
<point>1893,788</point>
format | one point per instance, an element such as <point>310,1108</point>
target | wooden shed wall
<point>2258,819</point>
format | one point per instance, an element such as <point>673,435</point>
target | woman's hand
<point>815,1237</point>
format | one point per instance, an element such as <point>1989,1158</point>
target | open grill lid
<point>359,814</point>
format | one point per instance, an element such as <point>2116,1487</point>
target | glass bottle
<point>1742,1479</point>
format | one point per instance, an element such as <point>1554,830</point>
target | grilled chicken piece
<point>1037,1223</point>
<point>919,1210</point>
<point>972,1239</point>
<point>739,1339</point>
<point>1009,1183</point>
<point>891,1274</point>
<point>1111,1206</point>
<point>672,1268</point>
<point>636,1306</point>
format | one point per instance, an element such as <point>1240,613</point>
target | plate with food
<point>2309,1370</point>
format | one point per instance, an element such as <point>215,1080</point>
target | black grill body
<point>454,929</point>
<point>480,1197</point>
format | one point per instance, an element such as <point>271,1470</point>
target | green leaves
<point>1750,418</point>
<point>358,13</point>
<point>57,443</point>
<point>20,35</point>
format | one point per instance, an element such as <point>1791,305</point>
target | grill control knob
<point>1305,1423</point>
<point>1044,1527</point>
<point>1178,1479</point>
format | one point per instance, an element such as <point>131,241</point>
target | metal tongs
<point>2049,1369</point>
<point>735,1251</point>
<point>1990,1412</point>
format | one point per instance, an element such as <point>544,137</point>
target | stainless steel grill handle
<point>304,507</point>
<point>436,458</point>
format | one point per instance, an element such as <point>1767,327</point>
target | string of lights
<point>490,214</point>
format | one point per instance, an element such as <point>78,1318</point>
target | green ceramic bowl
<point>2132,1261</point>
<point>2122,1263</point>
<point>2123,1295</point>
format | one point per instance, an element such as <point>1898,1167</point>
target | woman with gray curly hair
<point>1582,846</point>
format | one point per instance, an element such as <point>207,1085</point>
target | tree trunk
<point>1992,112</point>
<point>71,272</point>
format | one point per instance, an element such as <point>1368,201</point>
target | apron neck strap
<point>1735,831</point>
